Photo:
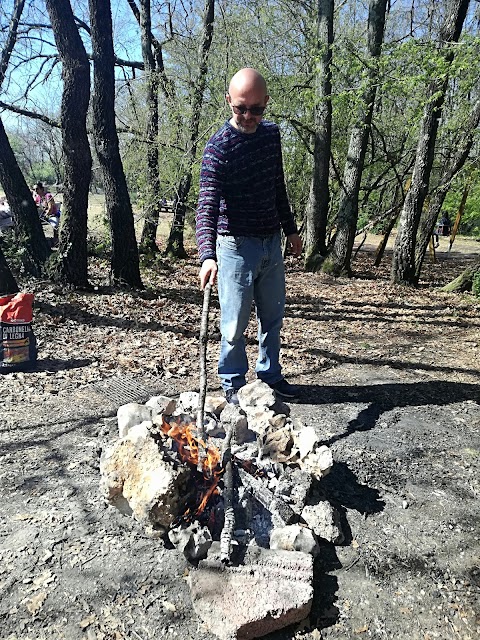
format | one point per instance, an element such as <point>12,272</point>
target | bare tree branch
<point>11,38</point>
<point>30,114</point>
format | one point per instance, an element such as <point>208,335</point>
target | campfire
<point>237,498</point>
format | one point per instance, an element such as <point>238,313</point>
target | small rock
<point>233,415</point>
<point>187,403</point>
<point>193,540</point>
<point>305,440</point>
<point>319,462</point>
<point>294,537</point>
<point>215,404</point>
<point>161,405</point>
<point>128,415</point>
<point>324,521</point>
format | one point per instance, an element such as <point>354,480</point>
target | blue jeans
<point>250,269</point>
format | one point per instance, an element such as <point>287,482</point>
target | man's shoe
<point>231,396</point>
<point>284,389</point>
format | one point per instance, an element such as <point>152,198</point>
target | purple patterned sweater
<point>242,187</point>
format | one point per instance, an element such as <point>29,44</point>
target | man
<point>242,207</point>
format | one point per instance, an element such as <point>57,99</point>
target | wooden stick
<point>203,376</point>
<point>229,523</point>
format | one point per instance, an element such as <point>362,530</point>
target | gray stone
<point>213,427</point>
<point>324,520</point>
<point>161,405</point>
<point>268,590</point>
<point>138,481</point>
<point>128,415</point>
<point>294,537</point>
<point>234,416</point>
<point>294,487</point>
<point>193,540</point>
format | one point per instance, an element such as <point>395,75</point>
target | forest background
<point>377,103</point>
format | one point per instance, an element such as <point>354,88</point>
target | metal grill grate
<point>118,391</point>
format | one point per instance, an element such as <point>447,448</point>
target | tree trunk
<point>316,213</point>
<point>403,263</point>
<point>427,223</point>
<point>8,284</point>
<point>28,231</point>
<point>464,281</point>
<point>70,264</point>
<point>152,194</point>
<point>175,245</point>
<point>338,261</point>
<point>125,267</point>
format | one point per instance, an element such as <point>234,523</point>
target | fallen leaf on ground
<point>363,629</point>
<point>86,622</point>
<point>35,603</point>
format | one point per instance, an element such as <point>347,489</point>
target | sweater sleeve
<point>208,208</point>
<point>284,211</point>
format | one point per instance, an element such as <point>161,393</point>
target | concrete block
<point>262,591</point>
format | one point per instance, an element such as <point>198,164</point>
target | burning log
<point>279,509</point>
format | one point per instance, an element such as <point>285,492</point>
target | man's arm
<point>209,203</point>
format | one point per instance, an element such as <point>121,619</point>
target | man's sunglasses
<point>254,111</point>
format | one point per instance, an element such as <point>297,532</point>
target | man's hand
<point>208,273</point>
<point>294,243</point>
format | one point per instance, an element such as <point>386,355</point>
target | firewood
<point>203,375</point>
<point>266,498</point>
<point>229,523</point>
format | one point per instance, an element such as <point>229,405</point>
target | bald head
<point>247,97</point>
<point>246,80</point>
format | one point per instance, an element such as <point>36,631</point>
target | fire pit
<point>235,499</point>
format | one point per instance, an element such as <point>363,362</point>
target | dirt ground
<point>389,378</point>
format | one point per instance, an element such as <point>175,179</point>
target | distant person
<point>47,207</point>
<point>445,226</point>
<point>6,219</point>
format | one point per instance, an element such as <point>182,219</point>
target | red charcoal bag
<point>18,347</point>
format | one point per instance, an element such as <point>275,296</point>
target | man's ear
<point>267,98</point>
<point>228,99</point>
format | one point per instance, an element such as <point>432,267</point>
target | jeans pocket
<point>230,242</point>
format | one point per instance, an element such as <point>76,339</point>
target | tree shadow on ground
<point>55,364</point>
<point>401,365</point>
<point>385,397</point>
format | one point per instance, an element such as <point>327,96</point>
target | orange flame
<point>188,445</point>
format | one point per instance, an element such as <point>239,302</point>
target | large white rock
<point>128,415</point>
<point>137,480</point>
